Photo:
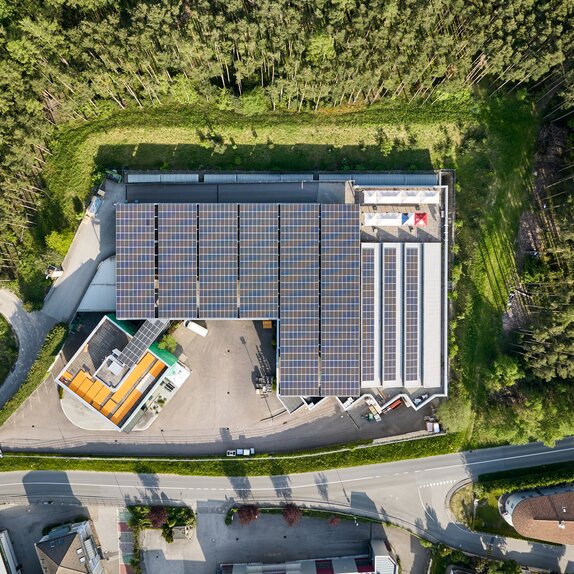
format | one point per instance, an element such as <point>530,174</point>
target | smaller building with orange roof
<point>113,380</point>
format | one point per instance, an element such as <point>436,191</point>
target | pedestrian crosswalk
<point>441,483</point>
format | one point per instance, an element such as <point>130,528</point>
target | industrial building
<point>8,562</point>
<point>378,561</point>
<point>353,267</point>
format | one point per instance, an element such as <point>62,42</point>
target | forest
<point>404,84</point>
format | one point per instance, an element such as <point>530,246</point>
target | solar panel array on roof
<point>141,341</point>
<point>258,256</point>
<point>299,299</point>
<point>218,263</point>
<point>368,309</point>
<point>177,260</point>
<point>135,265</point>
<point>340,310</point>
<point>412,284</point>
<point>390,322</point>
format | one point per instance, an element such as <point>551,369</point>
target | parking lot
<point>216,409</point>
<point>268,539</point>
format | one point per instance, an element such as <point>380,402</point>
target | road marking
<point>554,451</point>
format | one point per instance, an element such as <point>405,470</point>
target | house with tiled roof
<point>542,513</point>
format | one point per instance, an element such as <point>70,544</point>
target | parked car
<point>196,328</point>
<point>94,206</point>
<point>394,405</point>
<point>231,453</point>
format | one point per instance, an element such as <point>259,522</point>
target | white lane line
<point>225,489</point>
<point>465,464</point>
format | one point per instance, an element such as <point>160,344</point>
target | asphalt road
<point>411,493</point>
<point>31,330</point>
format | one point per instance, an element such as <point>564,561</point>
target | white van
<point>196,328</point>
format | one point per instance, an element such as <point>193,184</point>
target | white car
<point>196,328</point>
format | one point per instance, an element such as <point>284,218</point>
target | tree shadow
<point>281,482</point>
<point>49,488</point>
<point>238,479</point>
<point>322,485</point>
<point>260,156</point>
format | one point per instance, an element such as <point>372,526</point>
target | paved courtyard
<point>217,408</point>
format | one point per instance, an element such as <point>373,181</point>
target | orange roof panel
<point>101,396</point>
<point>157,369</point>
<point>132,399</point>
<point>109,407</point>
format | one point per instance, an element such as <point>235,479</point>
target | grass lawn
<point>494,176</point>
<point>387,136</point>
<point>8,349</point>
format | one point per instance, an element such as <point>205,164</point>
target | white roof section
<point>376,219</point>
<point>101,294</point>
<point>401,195</point>
<point>406,323</point>
<point>432,315</point>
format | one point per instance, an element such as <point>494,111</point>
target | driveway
<point>31,330</point>
<point>94,241</point>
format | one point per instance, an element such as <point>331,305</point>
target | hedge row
<point>498,483</point>
<point>256,466</point>
<point>38,372</point>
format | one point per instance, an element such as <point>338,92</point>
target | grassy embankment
<point>493,172</point>
<point>264,465</point>
<point>8,349</point>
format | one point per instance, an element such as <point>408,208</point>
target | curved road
<point>31,330</point>
<point>410,493</point>
<point>93,242</point>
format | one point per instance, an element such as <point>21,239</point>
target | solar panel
<point>177,260</point>
<point>299,299</point>
<point>412,284</point>
<point>340,297</point>
<point>141,341</point>
<point>390,313</point>
<point>218,261</point>
<point>135,267</point>
<point>368,307</point>
<point>258,261</point>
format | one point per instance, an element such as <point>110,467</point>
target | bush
<point>60,241</point>
<point>157,516</point>
<point>168,343</point>
<point>167,533</point>
<point>292,514</point>
<point>248,513</point>
<point>8,349</point>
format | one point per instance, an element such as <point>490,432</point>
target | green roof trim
<point>129,328</point>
